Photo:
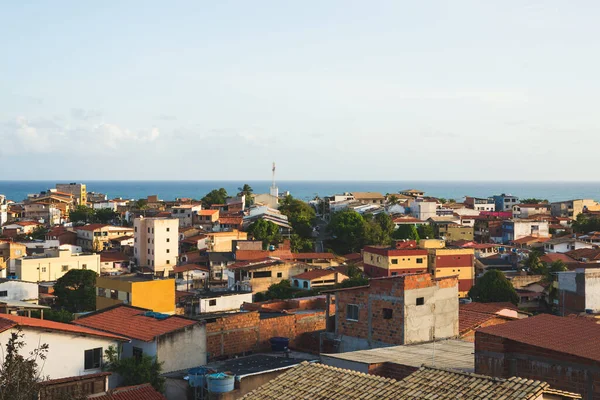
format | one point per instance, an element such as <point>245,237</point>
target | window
<point>420,301</point>
<point>3,293</point>
<point>93,358</point>
<point>148,251</point>
<point>101,292</point>
<point>137,354</point>
<point>305,285</point>
<point>387,313</point>
<point>394,273</point>
<point>394,261</point>
<point>65,268</point>
<point>296,283</point>
<point>262,274</point>
<point>114,294</point>
<point>168,229</point>
<point>168,250</point>
<point>352,312</point>
<point>152,230</point>
<point>212,302</point>
<point>419,261</point>
<point>168,240</point>
<point>135,229</point>
<point>83,266</point>
<point>148,230</point>
<point>148,240</point>
<point>280,274</point>
<point>168,261</point>
<point>43,269</point>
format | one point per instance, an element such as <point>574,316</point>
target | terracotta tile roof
<point>231,220</point>
<point>314,274</point>
<point>313,256</point>
<point>551,257</point>
<point>352,256</point>
<point>530,239</point>
<point>572,336</point>
<point>132,323</point>
<point>189,267</point>
<point>208,212</point>
<point>8,321</point>
<point>488,308</point>
<point>590,254</point>
<point>138,392</point>
<point>108,256</point>
<point>407,220</point>
<point>471,320</point>
<point>91,227</point>
<point>25,223</point>
<point>194,239</point>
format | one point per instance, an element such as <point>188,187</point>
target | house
<point>190,276</point>
<point>227,224</point>
<point>572,208</point>
<point>369,197</point>
<point>215,302</point>
<point>72,350</point>
<point>472,316</point>
<point>313,380</point>
<point>422,209</point>
<point>207,220</point>
<point>13,290</point>
<point>10,251</point>
<point>453,232</point>
<point>46,213</point>
<point>77,190</point>
<point>53,264</point>
<point>266,199</point>
<point>63,235</point>
<point>454,262</point>
<point>517,229</point>
<point>123,243</point>
<point>179,343</point>
<point>317,278</point>
<point>138,290</point>
<point>96,237</point>
<point>505,202</point>
<point>156,244</point>
<point>480,204</point>
<point>218,263</point>
<point>113,263</point>
<point>578,290</point>
<point>382,261</point>
<point>223,241</point>
<point>144,391</point>
<point>527,210</point>
<point>585,255</point>
<point>260,274</point>
<point>185,213</point>
<point>197,242</point>
<point>19,228</point>
<point>412,193</point>
<point>565,244</point>
<point>403,309</point>
<point>562,350</point>
<point>407,220</point>
<point>487,230</point>
<point>268,214</point>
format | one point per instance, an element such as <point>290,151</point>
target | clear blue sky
<point>419,90</point>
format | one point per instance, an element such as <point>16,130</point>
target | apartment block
<point>505,202</point>
<point>78,190</point>
<point>156,244</point>
<point>382,261</point>
<point>96,237</point>
<point>572,208</point>
<point>53,264</point>
<point>454,262</point>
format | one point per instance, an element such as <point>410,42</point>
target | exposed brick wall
<point>246,332</point>
<point>391,370</point>
<point>500,357</point>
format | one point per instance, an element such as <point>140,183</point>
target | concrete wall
<point>225,303</point>
<point>182,349</point>
<point>45,269</point>
<point>20,291</point>
<point>148,348</point>
<point>592,289</point>
<point>436,319</point>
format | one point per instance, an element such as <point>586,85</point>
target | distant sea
<point>306,190</point>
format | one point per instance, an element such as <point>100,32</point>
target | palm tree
<point>247,191</point>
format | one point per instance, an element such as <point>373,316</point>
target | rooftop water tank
<point>196,376</point>
<point>220,382</point>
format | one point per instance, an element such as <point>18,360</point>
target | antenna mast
<point>273,185</point>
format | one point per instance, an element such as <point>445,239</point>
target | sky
<point>337,89</point>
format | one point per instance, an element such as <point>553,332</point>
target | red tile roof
<point>139,392</point>
<point>189,267</point>
<point>313,256</point>
<point>488,308</point>
<point>208,212</point>
<point>590,254</point>
<point>551,257</point>
<point>230,220</point>
<point>470,320</point>
<point>91,227</point>
<point>73,378</point>
<point>8,321</point>
<point>25,223</point>
<point>132,323</point>
<point>353,256</point>
<point>314,274</point>
<point>573,336</point>
<point>108,256</point>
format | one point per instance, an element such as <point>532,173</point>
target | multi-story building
<point>10,251</point>
<point>78,190</point>
<point>578,291</point>
<point>423,209</point>
<point>528,210</point>
<point>480,204</point>
<point>45,213</point>
<point>382,261</point>
<point>53,264</point>
<point>454,262</point>
<point>399,310</point>
<point>518,229</point>
<point>488,230</point>
<point>144,291</point>
<point>572,208</point>
<point>505,202</point>
<point>185,213</point>
<point>97,237</point>
<point>156,244</point>
<point>454,232</point>
<point>18,228</point>
<point>3,210</point>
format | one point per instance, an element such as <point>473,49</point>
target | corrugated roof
<point>130,322</point>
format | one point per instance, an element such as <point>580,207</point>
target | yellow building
<point>449,262</point>
<point>431,244</point>
<point>53,264</point>
<point>78,190</point>
<point>223,241</point>
<point>96,237</point>
<point>11,251</point>
<point>136,290</point>
<point>454,232</point>
<point>382,261</point>
<point>258,276</point>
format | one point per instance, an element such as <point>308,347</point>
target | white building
<point>527,210</point>
<point>423,210</point>
<point>185,213</point>
<point>565,244</point>
<point>221,302</point>
<point>72,350</point>
<point>15,290</point>
<point>155,243</point>
<point>579,290</point>
<point>190,276</point>
<point>53,264</point>
<point>3,210</point>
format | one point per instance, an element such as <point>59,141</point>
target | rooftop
<point>573,336</point>
<point>314,274</point>
<point>8,321</point>
<point>144,391</point>
<point>133,322</point>
<point>448,353</point>
<point>91,227</point>
<point>254,364</point>
<point>131,277</point>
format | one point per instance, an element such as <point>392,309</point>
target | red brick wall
<point>247,332</point>
<point>494,355</point>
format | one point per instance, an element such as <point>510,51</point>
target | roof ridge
<point>464,373</point>
<point>347,371</point>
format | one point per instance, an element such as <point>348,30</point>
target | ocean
<point>306,190</point>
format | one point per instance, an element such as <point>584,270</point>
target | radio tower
<point>274,189</point>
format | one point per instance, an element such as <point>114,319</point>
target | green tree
<point>55,315</point>
<point>442,200</point>
<point>392,200</point>
<point>533,200</point>
<point>82,214</point>
<point>135,371</point>
<point>584,224</point>
<point>425,231</point>
<point>76,290</point>
<point>300,244</point>
<point>300,215</point>
<point>216,196</point>
<point>406,231</point>
<point>39,233</point>
<point>266,231</point>
<point>534,264</point>
<point>105,216</point>
<point>247,191</point>
<point>20,376</point>
<point>348,230</point>
<point>493,287</point>
<point>353,282</point>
